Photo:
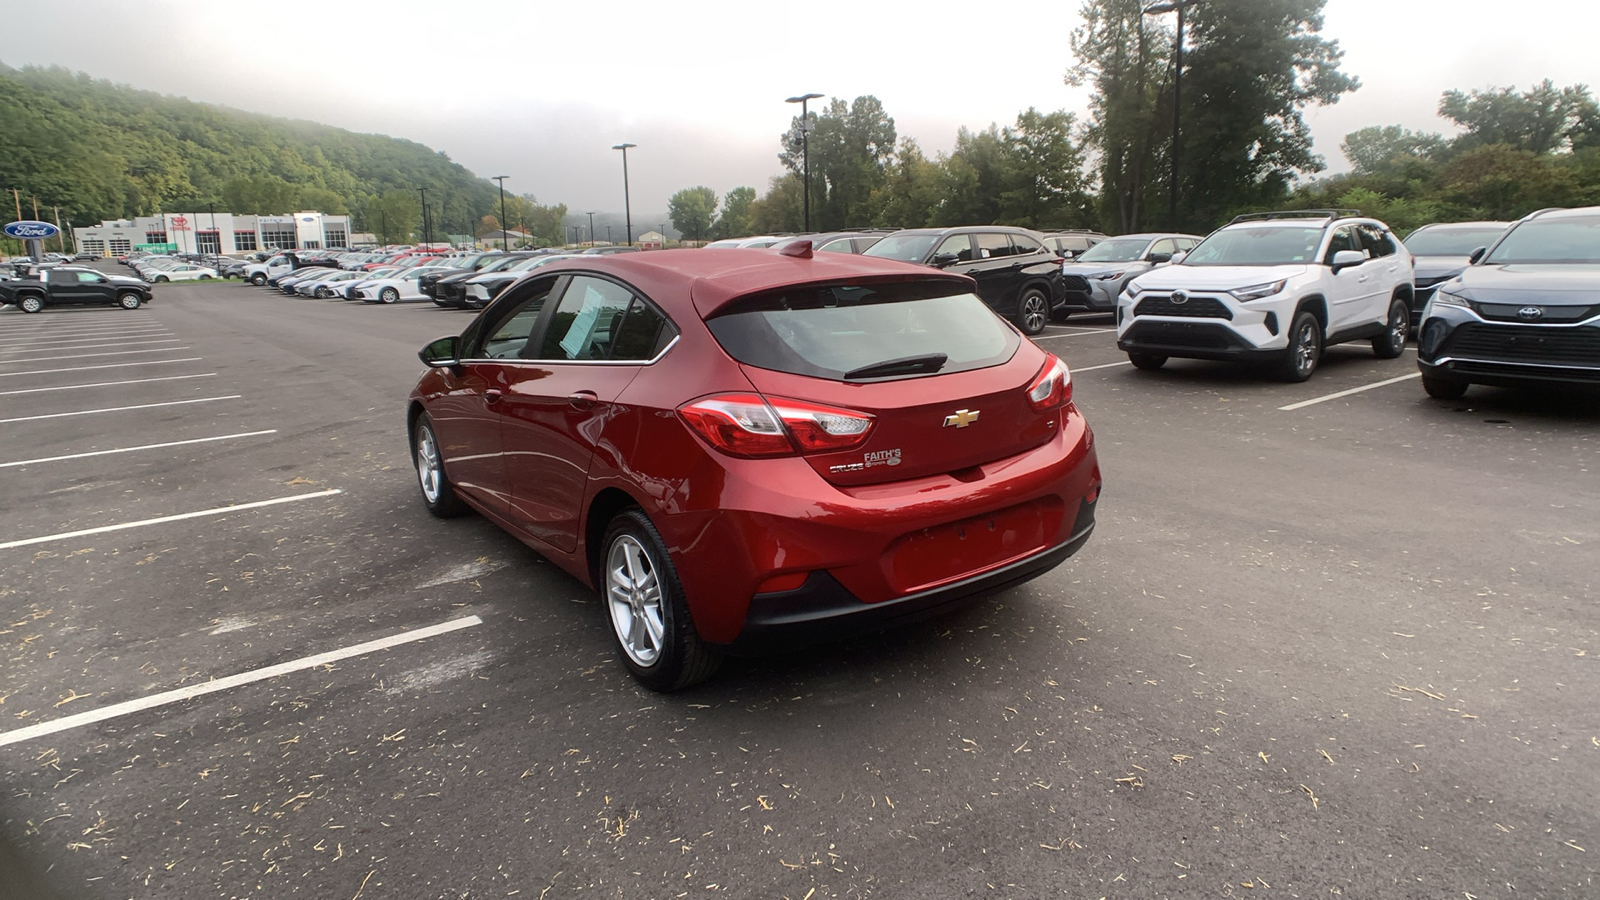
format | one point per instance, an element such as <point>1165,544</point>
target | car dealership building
<point>208,232</point>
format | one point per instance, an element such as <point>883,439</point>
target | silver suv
<point>1096,277</point>
<point>1274,288</point>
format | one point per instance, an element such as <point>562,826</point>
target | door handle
<point>583,399</point>
<point>493,395</point>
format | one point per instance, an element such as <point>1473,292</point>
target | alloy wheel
<point>633,594</point>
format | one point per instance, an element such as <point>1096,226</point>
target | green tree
<point>850,147</point>
<point>735,218</point>
<point>544,223</point>
<point>1123,55</point>
<point>780,208</point>
<point>1043,184</point>
<point>1382,149</point>
<point>912,191</point>
<point>1541,120</point>
<point>1253,67</point>
<point>394,216</point>
<point>691,210</point>
<point>1503,182</point>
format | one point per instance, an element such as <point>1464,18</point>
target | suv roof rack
<point>1296,214</point>
<point>1072,231</point>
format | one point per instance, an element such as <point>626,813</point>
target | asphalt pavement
<point>1329,639</point>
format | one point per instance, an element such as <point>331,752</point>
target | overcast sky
<point>540,91</point>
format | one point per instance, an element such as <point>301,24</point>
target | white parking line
<point>1046,337</point>
<point>91,355</point>
<point>1076,370</point>
<point>86,330</point>
<point>87,412</point>
<point>217,511</point>
<point>50,459</point>
<point>200,689</point>
<point>149,362</point>
<point>1305,403</point>
<point>92,346</point>
<point>67,343</point>
<point>74,387</point>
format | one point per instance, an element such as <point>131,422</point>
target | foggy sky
<point>541,91</point>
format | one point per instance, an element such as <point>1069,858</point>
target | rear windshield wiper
<point>905,365</point>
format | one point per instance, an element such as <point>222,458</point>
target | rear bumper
<point>822,609</point>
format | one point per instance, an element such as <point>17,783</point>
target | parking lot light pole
<point>627,208</point>
<point>1157,9</point>
<point>502,180</point>
<point>591,230</point>
<point>805,151</point>
<point>426,230</point>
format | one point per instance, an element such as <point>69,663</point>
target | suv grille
<point>1526,344</point>
<point>1076,283</point>
<point>1507,312</point>
<point>1193,308</point>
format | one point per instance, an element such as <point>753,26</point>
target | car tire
<point>656,638</point>
<point>1033,311</point>
<point>205,277</point>
<point>1443,388</point>
<point>1305,348</point>
<point>159,279</point>
<point>1149,362</point>
<point>31,304</point>
<point>129,300</point>
<point>389,295</point>
<point>1392,342</point>
<point>438,494</point>
<point>258,279</point>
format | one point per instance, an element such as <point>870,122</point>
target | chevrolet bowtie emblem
<point>961,419</point>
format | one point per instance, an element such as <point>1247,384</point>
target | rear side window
<point>993,246</point>
<point>1375,241</point>
<point>603,320</point>
<point>829,331</point>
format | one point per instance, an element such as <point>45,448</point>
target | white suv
<point>1273,287</point>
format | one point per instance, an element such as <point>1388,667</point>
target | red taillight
<point>752,426</point>
<point>1052,387</point>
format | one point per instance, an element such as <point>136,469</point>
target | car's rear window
<point>828,331</point>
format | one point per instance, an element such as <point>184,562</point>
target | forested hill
<point>103,151</point>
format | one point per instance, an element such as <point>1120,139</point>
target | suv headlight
<point>1132,290</point>
<point>1258,291</point>
<point>1108,276</point>
<point>1445,298</point>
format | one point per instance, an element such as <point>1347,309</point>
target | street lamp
<point>502,181</point>
<point>1158,9</point>
<point>627,209</point>
<point>805,150</point>
<point>663,235</point>
<point>591,229</point>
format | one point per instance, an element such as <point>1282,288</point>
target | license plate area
<point>933,556</point>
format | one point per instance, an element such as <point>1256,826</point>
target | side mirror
<point>1477,254</point>
<point>442,353</point>
<point>1159,258</point>
<point>945,259</point>
<point>1344,259</point>
<point>1179,257</point>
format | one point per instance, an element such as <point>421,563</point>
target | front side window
<point>1375,241</point>
<point>508,336</point>
<point>1344,238</point>
<point>957,245</point>
<point>993,246</point>
<point>1167,246</point>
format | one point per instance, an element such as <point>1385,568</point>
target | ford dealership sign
<point>31,230</point>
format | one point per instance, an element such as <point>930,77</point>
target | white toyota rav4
<point>1274,288</point>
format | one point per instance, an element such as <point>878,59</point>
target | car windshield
<point>1568,240</point>
<point>1451,241</point>
<point>1258,245</point>
<point>1115,250</point>
<point>904,247</point>
<point>827,331</point>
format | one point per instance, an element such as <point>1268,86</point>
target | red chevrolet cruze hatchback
<point>746,449</point>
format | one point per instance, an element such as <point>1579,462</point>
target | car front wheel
<point>649,617</point>
<point>1444,388</point>
<point>1033,311</point>
<point>258,279</point>
<point>129,300</point>
<point>389,295</point>
<point>1305,348</point>
<point>438,494</point>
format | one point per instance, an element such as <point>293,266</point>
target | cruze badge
<point>1180,298</point>
<point>961,418</point>
<point>1530,313</point>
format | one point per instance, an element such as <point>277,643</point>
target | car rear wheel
<point>438,494</point>
<point>1147,361</point>
<point>1033,311</point>
<point>1305,348</point>
<point>30,304</point>
<point>1392,342</point>
<point>649,617</point>
<point>129,300</point>
<point>1444,388</point>
<point>389,295</point>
